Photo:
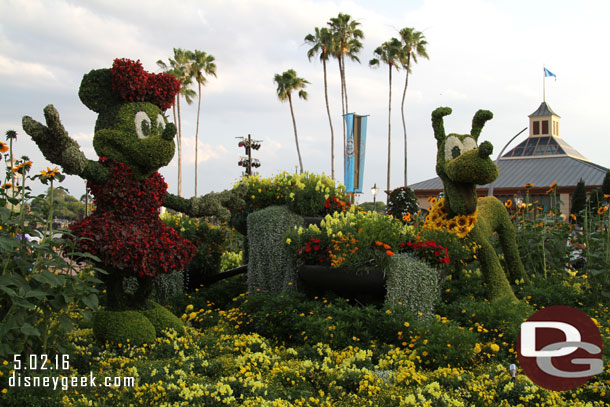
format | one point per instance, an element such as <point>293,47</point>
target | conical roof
<point>544,110</point>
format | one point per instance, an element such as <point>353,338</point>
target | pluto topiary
<point>462,164</point>
<point>133,139</point>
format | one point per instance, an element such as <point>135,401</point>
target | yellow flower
<point>189,307</point>
<point>288,241</point>
<point>508,203</point>
<point>477,348</point>
<point>494,347</point>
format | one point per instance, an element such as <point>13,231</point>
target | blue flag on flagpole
<point>549,73</point>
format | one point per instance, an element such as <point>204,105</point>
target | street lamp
<point>248,162</point>
<point>374,191</point>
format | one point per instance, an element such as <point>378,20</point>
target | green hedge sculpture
<point>133,139</point>
<point>462,164</point>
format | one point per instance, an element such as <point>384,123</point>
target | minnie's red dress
<point>125,230</point>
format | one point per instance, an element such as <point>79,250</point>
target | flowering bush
<point>429,251</point>
<point>355,240</point>
<point>305,194</point>
<point>402,204</point>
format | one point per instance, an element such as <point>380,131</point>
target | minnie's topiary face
<point>131,127</point>
<point>136,134</point>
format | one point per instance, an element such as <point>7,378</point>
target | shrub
<point>123,327</point>
<point>270,267</point>
<point>354,240</point>
<point>402,201</point>
<point>210,242</point>
<point>162,319</point>
<point>164,287</point>
<point>412,283</point>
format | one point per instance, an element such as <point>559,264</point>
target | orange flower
<point>378,243</point>
<point>389,253</point>
<point>606,195</point>
<point>3,147</point>
<point>407,217</point>
<point>432,200</point>
<point>387,246</point>
<point>601,210</point>
<point>528,185</point>
<point>573,216</point>
<point>508,203</point>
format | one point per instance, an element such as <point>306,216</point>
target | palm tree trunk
<point>402,111</point>
<point>330,122</point>
<point>343,113</point>
<point>389,129</point>
<point>344,84</point>
<point>179,142</point>
<point>296,138</point>
<point>197,136</point>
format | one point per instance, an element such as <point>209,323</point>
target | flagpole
<point>543,85</point>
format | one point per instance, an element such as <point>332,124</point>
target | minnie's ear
<point>96,90</point>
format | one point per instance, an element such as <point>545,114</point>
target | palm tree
<point>390,53</point>
<point>414,45</point>
<point>346,41</point>
<point>321,42</point>
<point>201,65</point>
<point>286,84</point>
<point>178,67</point>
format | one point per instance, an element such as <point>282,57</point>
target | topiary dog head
<point>131,127</point>
<point>461,163</point>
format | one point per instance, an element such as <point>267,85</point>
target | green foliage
<point>164,287</point>
<point>579,200</point>
<point>123,327</point>
<point>230,260</point>
<point>412,283</point>
<point>305,194</point>
<point>355,240</point>
<point>65,206</point>
<point>370,207</point>
<point>402,201</point>
<point>556,289</point>
<point>43,292</point>
<point>96,90</point>
<point>210,241</point>
<point>503,316</point>
<point>270,266</point>
<point>162,319</point>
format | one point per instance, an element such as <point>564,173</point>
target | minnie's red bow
<point>132,83</point>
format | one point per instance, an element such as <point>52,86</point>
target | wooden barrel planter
<point>365,287</point>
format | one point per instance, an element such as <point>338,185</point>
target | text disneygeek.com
<point>19,380</point>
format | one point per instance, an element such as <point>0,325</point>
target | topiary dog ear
<point>437,123</point>
<point>96,90</point>
<point>478,121</point>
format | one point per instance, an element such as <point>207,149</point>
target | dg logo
<point>560,348</point>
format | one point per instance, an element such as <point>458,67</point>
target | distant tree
<point>287,83</point>
<point>346,42</point>
<point>369,206</point>
<point>414,45</point>
<point>579,200</point>
<point>200,65</point>
<point>65,206</point>
<point>179,67</point>
<point>390,53</point>
<point>322,43</point>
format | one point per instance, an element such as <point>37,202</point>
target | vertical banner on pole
<point>355,152</point>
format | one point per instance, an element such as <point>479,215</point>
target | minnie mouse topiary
<point>133,139</point>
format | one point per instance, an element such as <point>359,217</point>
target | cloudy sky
<point>483,54</point>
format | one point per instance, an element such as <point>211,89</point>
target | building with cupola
<point>542,159</point>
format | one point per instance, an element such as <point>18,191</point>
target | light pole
<point>248,162</point>
<point>374,191</point>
